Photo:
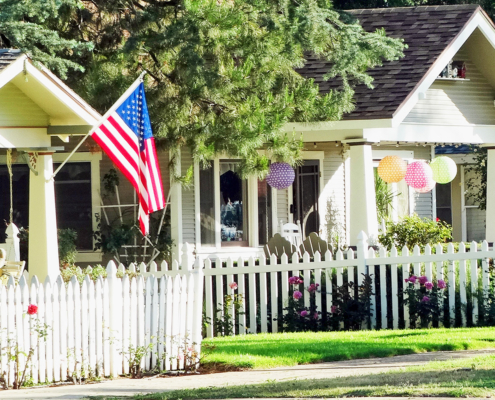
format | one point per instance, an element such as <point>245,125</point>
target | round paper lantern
<point>392,169</point>
<point>418,175</point>
<point>429,186</point>
<point>444,169</point>
<point>280,176</point>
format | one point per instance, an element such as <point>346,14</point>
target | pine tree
<point>222,73</point>
<point>32,26</point>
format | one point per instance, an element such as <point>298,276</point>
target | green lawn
<point>458,378</point>
<point>286,349</point>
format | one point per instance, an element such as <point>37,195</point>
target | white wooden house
<point>410,112</point>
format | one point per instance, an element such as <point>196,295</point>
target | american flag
<point>126,137</point>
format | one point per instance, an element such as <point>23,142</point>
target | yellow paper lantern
<point>392,169</point>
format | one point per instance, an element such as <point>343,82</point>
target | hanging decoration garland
<point>444,169</point>
<point>280,175</point>
<point>392,169</point>
<point>418,175</point>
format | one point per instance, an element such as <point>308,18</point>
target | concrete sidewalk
<point>129,387</point>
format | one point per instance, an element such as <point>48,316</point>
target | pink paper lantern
<point>419,175</point>
<point>280,176</point>
<point>431,184</point>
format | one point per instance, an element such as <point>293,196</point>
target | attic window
<point>454,70</point>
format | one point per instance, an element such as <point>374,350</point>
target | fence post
<point>362,252</point>
<point>187,257</point>
<point>197,333</point>
<point>115,321</point>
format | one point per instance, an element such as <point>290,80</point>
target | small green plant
<point>14,353</point>
<point>424,300</point>
<point>384,197</point>
<point>413,230</point>
<point>223,323</point>
<point>135,355</point>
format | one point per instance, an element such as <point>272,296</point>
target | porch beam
<point>68,129</point>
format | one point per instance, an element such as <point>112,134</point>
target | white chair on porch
<point>292,233</point>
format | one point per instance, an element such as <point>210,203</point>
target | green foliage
<point>94,273</point>
<point>38,28</point>
<point>384,197</point>
<point>67,250</point>
<point>223,322</point>
<point>110,180</point>
<point>222,74</point>
<point>413,230</point>
<point>476,185</point>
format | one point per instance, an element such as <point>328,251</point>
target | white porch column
<point>176,211</point>
<point>362,208</point>
<point>43,241</point>
<point>490,196</point>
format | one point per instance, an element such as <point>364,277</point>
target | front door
<point>306,189</point>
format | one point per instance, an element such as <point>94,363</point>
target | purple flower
<point>295,280</point>
<point>428,285</point>
<point>297,295</point>
<point>423,279</point>
<point>425,299</point>
<point>313,287</point>
<point>304,313</point>
<point>315,315</point>
<point>441,284</point>
<point>333,309</point>
<point>413,278</point>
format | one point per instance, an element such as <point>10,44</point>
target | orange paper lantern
<point>392,169</point>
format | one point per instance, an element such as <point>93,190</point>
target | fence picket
<point>209,299</point>
<point>274,294</point>
<point>19,326</point>
<point>49,331</point>
<point>230,280</point>
<point>328,281</point>
<point>92,327</point>
<point>462,285</point>
<point>428,264</point>
<point>405,274</point>
<point>148,312</point>
<point>4,306</point>
<point>162,304</point>
<point>452,284</point>
<point>11,330</point>
<point>183,318</point>
<point>84,327</point>
<point>383,289</point>
<point>155,314</point>
<point>317,273</point>
<point>307,279</point>
<point>175,331</point>
<point>126,322</point>
<point>168,322</point>
<point>263,298</point>
<point>395,289</point>
<point>485,272</point>
<point>99,329</point>
<point>440,275</point>
<point>106,329</point>
<point>252,299</point>
<point>284,260</point>
<point>473,261</point>
<point>219,303</point>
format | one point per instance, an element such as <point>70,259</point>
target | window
<point>73,201</point>
<point>20,197</point>
<point>207,206</point>
<point>444,203</point>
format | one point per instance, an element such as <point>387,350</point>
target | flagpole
<point>116,105</point>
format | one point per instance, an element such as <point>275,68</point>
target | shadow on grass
<point>451,383</point>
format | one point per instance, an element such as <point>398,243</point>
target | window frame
<point>94,160</point>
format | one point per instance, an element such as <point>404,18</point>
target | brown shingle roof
<point>427,30</point>
<point>8,56</point>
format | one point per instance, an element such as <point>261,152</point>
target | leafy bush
<point>384,197</point>
<point>67,250</point>
<point>413,230</point>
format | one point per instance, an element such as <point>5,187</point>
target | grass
<point>288,349</point>
<point>473,377</point>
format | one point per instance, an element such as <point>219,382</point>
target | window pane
<point>73,201</point>
<point>207,206</point>
<point>475,221</point>
<point>264,212</point>
<point>233,204</point>
<point>444,203</point>
<point>20,197</point>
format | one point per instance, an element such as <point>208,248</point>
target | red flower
<point>438,219</point>
<point>32,309</point>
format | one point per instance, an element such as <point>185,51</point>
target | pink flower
<point>413,278</point>
<point>441,284</point>
<point>423,279</point>
<point>32,309</point>
<point>315,315</point>
<point>297,295</point>
<point>425,299</point>
<point>233,285</point>
<point>333,309</point>
<point>295,280</point>
<point>313,287</point>
<point>304,313</point>
<point>428,285</point>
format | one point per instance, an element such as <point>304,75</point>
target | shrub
<point>67,250</point>
<point>413,230</point>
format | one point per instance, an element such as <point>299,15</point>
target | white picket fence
<point>264,284</point>
<point>92,327</point>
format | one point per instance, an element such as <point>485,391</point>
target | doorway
<point>306,190</point>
